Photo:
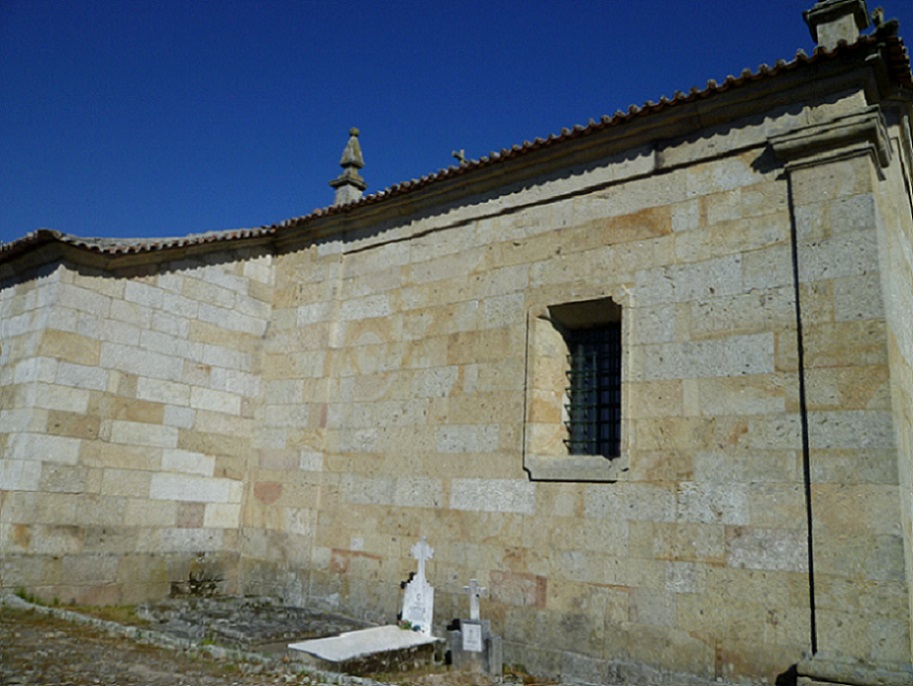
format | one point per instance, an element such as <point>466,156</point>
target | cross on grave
<point>421,551</point>
<point>418,601</point>
<point>475,592</point>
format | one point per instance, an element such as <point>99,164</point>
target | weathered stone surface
<point>303,406</point>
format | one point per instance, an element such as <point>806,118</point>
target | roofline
<point>895,57</point>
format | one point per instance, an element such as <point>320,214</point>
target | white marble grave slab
<point>355,644</point>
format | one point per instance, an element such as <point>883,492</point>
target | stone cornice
<point>806,145</point>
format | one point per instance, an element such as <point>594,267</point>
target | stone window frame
<point>545,455</point>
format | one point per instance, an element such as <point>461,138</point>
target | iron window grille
<point>593,393</point>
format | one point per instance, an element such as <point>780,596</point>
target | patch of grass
<point>517,674</point>
<point>28,597</point>
<point>122,614</point>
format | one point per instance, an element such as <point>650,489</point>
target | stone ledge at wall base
<point>825,669</point>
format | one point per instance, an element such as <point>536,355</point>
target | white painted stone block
<point>251,307</point>
<point>141,362</point>
<point>66,398</point>
<point>231,320</point>
<point>189,540</point>
<point>161,391</point>
<point>851,430</point>
<point>85,300</point>
<point>19,475</point>
<point>171,323</point>
<point>170,281</point>
<point>222,516</point>
<point>851,254</point>
<point>469,438</point>
<point>235,381</point>
<point>681,577</point>
<point>220,356</point>
<point>365,308</point>
<point>180,306</point>
<point>192,488</point>
<point>138,433</point>
<point>434,383</point>
<point>358,440</point>
<point>637,501</point>
<point>310,461</point>
<point>131,313</point>
<point>283,392</point>
<point>299,522</point>
<point>732,356</point>
<point>23,419</point>
<point>652,324</point>
<point>775,549</point>
<point>713,502</point>
<point>504,310</point>
<point>81,376</point>
<point>227,280</point>
<point>694,281</point>
<point>44,448</point>
<point>143,294</point>
<point>493,495</point>
<point>373,490</point>
<point>35,369</point>
<point>416,491</point>
<point>259,269</point>
<point>176,460</point>
<point>314,312</point>
<point>215,401</point>
<point>121,332</point>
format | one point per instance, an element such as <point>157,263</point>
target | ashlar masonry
<point>649,381</point>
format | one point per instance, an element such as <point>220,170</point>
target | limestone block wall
<point>852,420</point>
<point>126,424</point>
<point>408,344</point>
<point>284,485</point>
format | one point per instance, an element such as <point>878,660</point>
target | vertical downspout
<point>803,419</point>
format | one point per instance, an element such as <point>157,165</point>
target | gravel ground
<point>39,646</point>
<point>41,649</point>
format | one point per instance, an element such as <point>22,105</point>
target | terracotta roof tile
<point>898,63</point>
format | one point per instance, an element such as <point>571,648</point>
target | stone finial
<point>832,21</point>
<point>349,185</point>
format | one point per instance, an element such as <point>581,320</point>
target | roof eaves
<point>898,64</point>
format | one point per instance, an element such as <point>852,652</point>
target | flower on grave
<point>405,625</point>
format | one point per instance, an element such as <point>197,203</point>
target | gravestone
<point>418,601</point>
<point>473,647</point>
<point>384,648</point>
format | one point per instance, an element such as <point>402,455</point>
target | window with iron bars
<point>593,392</point>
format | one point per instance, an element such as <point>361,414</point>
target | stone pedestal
<point>473,648</point>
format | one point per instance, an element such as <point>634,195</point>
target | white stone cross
<point>475,592</point>
<point>418,601</point>
<point>421,551</point>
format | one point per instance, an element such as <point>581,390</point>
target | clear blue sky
<point>168,117</point>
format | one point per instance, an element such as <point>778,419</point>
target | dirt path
<point>39,649</point>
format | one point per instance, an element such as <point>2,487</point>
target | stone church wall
<point>127,416</point>
<point>422,408</point>
<point>291,419</point>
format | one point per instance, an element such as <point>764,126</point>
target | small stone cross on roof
<point>475,592</point>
